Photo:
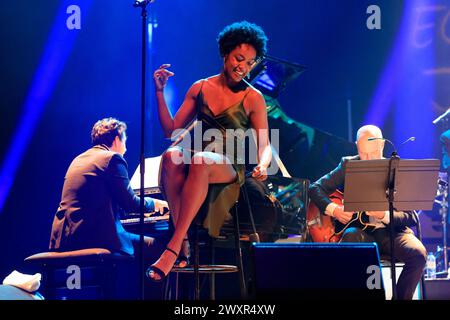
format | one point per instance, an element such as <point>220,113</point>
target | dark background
<point>64,80</point>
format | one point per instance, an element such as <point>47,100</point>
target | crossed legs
<point>186,193</point>
<point>173,177</point>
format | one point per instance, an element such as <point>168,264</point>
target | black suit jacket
<point>322,188</point>
<point>96,185</point>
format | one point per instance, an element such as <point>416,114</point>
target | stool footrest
<point>387,263</point>
<point>208,268</point>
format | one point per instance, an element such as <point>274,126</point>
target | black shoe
<point>155,270</point>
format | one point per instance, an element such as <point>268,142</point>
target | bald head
<point>369,150</point>
<point>369,130</point>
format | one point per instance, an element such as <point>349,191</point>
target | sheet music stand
<point>151,177</point>
<point>390,184</point>
<point>272,75</point>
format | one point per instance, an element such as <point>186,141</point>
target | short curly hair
<point>238,33</point>
<point>106,130</point>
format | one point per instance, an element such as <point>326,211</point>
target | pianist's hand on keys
<point>160,205</point>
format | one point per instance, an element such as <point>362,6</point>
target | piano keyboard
<point>151,219</point>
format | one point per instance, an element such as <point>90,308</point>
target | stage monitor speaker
<point>316,271</point>
<point>437,289</point>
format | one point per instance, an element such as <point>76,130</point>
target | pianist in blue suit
<point>96,187</point>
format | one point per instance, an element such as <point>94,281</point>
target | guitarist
<point>407,247</point>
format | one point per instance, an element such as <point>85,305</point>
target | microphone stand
<point>143,5</point>
<point>393,165</point>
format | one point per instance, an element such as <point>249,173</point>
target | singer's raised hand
<point>161,75</point>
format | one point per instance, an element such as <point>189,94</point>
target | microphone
<point>408,140</point>
<point>442,116</point>
<point>392,144</point>
<point>142,3</point>
<point>384,139</point>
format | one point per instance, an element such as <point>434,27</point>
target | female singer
<point>223,101</point>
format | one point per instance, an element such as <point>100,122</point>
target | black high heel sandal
<point>158,271</point>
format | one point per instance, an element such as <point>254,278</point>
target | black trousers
<point>152,247</point>
<point>130,277</point>
<point>407,249</point>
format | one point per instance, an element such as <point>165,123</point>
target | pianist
<point>96,187</point>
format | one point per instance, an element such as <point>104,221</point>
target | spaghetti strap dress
<point>222,133</point>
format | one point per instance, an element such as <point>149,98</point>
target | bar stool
<point>79,274</point>
<point>385,264</point>
<point>196,231</point>
<point>209,269</point>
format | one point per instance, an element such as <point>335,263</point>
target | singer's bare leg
<point>210,168</point>
<point>173,177</point>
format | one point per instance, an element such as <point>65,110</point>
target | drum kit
<point>442,201</point>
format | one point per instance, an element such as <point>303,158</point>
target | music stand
<point>151,177</point>
<point>272,75</point>
<point>390,184</point>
